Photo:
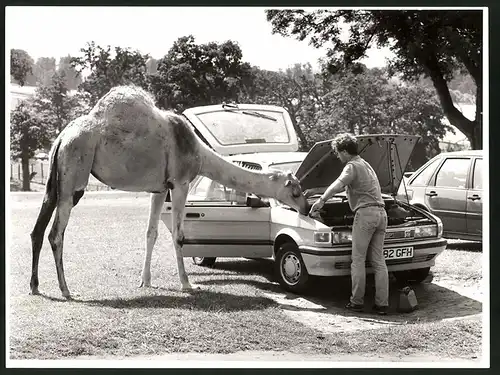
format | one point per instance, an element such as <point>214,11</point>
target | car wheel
<point>290,269</point>
<point>203,261</point>
<point>415,276</point>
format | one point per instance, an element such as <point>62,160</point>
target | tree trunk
<point>304,146</point>
<point>25,163</point>
<point>471,129</point>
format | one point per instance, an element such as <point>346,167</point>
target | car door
<point>474,201</point>
<point>447,192</point>
<point>218,223</point>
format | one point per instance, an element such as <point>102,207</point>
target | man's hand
<point>317,205</point>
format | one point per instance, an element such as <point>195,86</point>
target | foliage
<point>21,65</point>
<point>71,77</point>
<point>55,103</point>
<point>432,43</point>
<point>294,89</point>
<point>28,130</point>
<point>44,69</point>
<point>108,69</point>
<point>199,74</point>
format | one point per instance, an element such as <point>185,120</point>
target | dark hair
<point>345,142</point>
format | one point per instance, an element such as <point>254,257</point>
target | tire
<point>290,269</point>
<point>205,262</point>
<point>412,276</point>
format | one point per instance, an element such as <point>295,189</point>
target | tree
<point>72,78</point>
<point>21,65</point>
<point>293,89</point>
<point>152,66</point>
<point>199,74</point>
<point>431,43</point>
<point>28,133</point>
<point>44,69</point>
<point>123,66</point>
<point>56,105</point>
<point>370,102</point>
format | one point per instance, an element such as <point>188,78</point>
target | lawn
<point>111,316</point>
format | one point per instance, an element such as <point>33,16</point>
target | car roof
<point>267,158</point>
<point>463,153</point>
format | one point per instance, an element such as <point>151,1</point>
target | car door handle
<point>474,197</point>
<point>193,214</point>
<point>431,194</point>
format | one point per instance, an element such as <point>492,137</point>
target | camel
<point>129,144</point>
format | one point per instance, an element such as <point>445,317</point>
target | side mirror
<point>256,202</point>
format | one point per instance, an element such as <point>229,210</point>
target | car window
<point>424,176</point>
<point>453,173</point>
<point>207,190</point>
<point>477,182</point>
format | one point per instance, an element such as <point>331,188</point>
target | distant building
<point>19,93</point>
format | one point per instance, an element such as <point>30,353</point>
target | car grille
<point>390,262</point>
<point>400,234</point>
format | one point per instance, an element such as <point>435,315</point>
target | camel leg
<point>56,239</point>
<point>48,206</point>
<point>179,195</point>
<point>156,205</point>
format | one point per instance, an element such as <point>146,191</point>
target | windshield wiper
<point>234,108</point>
<point>258,114</point>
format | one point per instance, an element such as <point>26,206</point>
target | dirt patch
<point>442,299</point>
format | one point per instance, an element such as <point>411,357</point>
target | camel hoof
<point>35,292</point>
<point>67,295</point>
<point>190,288</point>
<point>145,284</point>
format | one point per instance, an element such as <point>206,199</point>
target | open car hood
<point>388,154</point>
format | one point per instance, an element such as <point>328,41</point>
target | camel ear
<point>288,183</point>
<point>273,177</point>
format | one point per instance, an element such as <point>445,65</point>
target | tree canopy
<point>431,43</point>
<point>21,65</point>
<point>199,74</point>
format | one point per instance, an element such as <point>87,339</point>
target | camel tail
<point>48,205</point>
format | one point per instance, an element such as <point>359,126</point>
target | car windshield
<point>234,126</point>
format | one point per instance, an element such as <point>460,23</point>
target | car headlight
<point>427,231</point>
<point>341,237</point>
<point>322,237</point>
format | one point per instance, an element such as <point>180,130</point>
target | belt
<point>370,205</point>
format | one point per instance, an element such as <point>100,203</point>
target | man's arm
<point>336,187</point>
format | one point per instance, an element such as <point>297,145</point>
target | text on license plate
<point>398,253</point>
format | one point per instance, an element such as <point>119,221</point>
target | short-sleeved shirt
<point>361,182</point>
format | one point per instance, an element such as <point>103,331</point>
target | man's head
<point>345,145</point>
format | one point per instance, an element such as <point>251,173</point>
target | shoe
<point>381,310</point>
<point>353,307</point>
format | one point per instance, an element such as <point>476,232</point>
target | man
<point>370,222</point>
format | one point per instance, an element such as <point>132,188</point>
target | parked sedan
<point>450,186</point>
<point>222,222</point>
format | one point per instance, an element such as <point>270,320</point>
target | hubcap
<point>290,268</point>
<point>198,259</point>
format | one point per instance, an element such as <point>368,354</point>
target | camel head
<point>289,192</point>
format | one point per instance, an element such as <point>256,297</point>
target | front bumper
<point>337,262</point>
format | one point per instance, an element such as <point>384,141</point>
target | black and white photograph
<point>247,187</point>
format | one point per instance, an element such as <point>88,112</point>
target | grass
<point>111,316</point>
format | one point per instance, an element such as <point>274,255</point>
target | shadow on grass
<point>471,246</point>
<point>204,300</point>
<point>330,294</point>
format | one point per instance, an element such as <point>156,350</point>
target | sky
<point>59,31</point>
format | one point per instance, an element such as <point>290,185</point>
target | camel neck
<point>217,168</point>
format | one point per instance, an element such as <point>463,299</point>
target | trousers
<point>368,233</point>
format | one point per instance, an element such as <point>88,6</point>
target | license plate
<point>398,253</point>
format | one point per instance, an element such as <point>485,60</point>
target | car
<point>450,186</point>
<point>222,222</point>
